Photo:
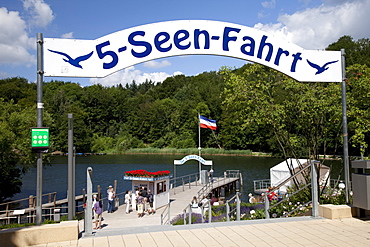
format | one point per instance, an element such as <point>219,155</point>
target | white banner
<point>116,51</point>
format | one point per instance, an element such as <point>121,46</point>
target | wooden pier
<point>180,197</point>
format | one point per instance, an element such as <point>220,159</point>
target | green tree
<point>295,119</point>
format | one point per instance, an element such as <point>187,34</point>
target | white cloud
<point>316,28</point>
<point>67,35</point>
<point>14,40</point>
<point>156,64</point>
<point>127,75</point>
<point>41,13</point>
<point>269,4</point>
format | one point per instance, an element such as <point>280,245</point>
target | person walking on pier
<point>211,175</point>
<point>150,198</point>
<point>110,192</point>
<point>133,199</point>
<point>140,205</point>
<point>98,214</point>
<point>127,201</point>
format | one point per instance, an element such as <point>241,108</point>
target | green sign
<point>40,137</point>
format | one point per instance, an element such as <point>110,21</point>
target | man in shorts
<point>150,200</point>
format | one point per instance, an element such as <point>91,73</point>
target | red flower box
<point>144,173</point>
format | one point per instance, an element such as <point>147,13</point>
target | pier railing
<point>183,182</point>
<point>24,208</point>
<point>218,181</point>
<point>236,209</point>
<point>314,192</point>
<point>165,215</point>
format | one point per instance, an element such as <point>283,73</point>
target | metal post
<point>190,213</point>
<point>314,191</point>
<point>169,215</point>
<point>345,132</point>
<point>227,211</point>
<point>199,150</point>
<point>88,213</point>
<point>237,206</point>
<point>40,106</point>
<point>174,180</point>
<point>71,192</point>
<point>267,205</point>
<point>209,211</point>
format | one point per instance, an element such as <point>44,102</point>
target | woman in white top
<point>127,201</point>
<point>133,201</point>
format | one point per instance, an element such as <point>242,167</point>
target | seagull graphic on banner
<point>75,62</point>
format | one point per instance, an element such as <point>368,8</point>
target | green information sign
<point>40,138</point>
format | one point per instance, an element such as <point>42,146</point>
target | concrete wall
<point>34,235</point>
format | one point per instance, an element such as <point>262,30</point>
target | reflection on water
<point>108,168</point>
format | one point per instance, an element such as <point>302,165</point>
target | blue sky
<point>311,24</point>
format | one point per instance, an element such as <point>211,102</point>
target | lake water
<point>107,168</point>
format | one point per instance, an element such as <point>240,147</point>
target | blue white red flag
<point>207,123</point>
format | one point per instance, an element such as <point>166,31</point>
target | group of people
<point>141,201</point>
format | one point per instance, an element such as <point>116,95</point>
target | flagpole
<point>199,148</point>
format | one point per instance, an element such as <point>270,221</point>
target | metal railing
<point>165,215</point>
<point>314,192</point>
<point>188,212</point>
<point>261,185</point>
<point>217,182</point>
<point>235,210</point>
<point>184,182</point>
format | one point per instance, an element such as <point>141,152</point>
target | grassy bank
<point>205,151</point>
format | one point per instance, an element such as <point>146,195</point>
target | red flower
<point>144,173</point>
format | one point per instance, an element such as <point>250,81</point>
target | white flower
<point>252,212</point>
<point>298,203</point>
<point>290,203</point>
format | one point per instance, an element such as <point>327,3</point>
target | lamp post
<point>40,107</point>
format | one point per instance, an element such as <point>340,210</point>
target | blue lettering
<point>263,44</point>
<point>197,33</point>
<point>278,55</point>
<point>251,45</point>
<point>295,60</point>
<point>158,41</point>
<point>227,38</point>
<point>147,45</point>
<point>178,40</point>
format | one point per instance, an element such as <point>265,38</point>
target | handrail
<point>292,177</point>
<point>190,178</point>
<point>25,199</point>
<point>267,202</point>
<point>205,189</point>
<point>166,212</point>
<point>237,208</point>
